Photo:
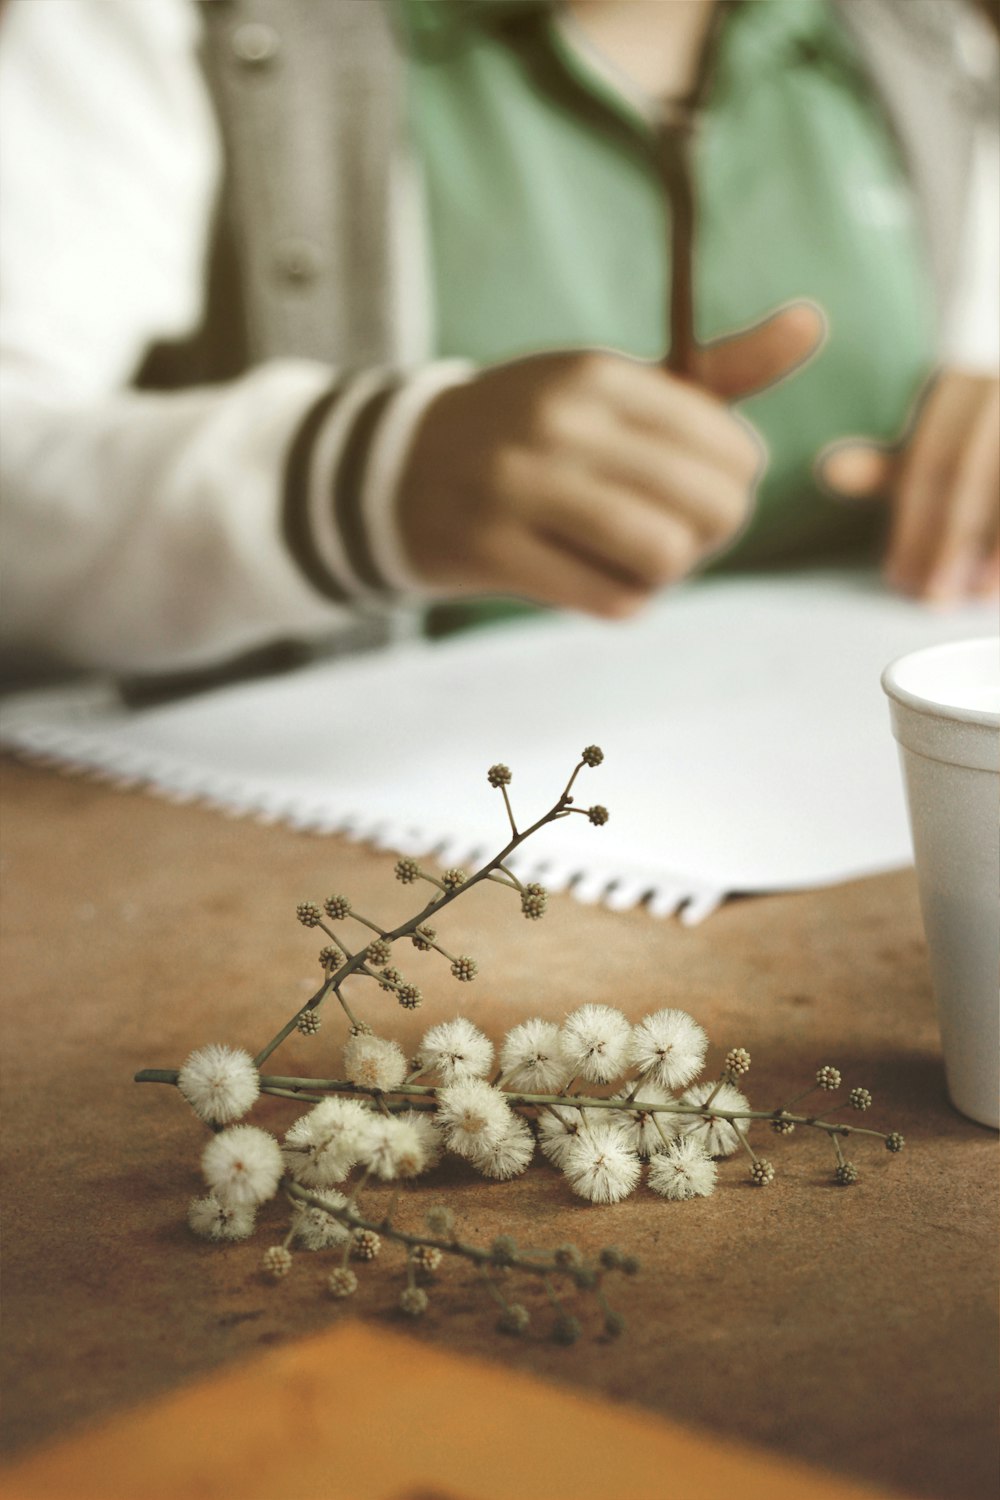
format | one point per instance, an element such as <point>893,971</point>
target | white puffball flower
<point>509,1155</point>
<point>531,1058</point>
<point>558,1125</point>
<point>425,1124</point>
<point>220,1083</point>
<point>456,1049</point>
<point>685,1170</point>
<point>243,1165</point>
<point>212,1220</point>
<point>323,1145</point>
<point>473,1114</point>
<point>600,1166</point>
<point>394,1149</point>
<point>557,1128</point>
<point>643,1130</point>
<point>594,1042</point>
<point>315,1229</point>
<point>717,1136</point>
<point>375,1062</point>
<point>669,1048</point>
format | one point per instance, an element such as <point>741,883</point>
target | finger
<point>549,572</point>
<point>985,581</point>
<point>615,531</point>
<point>857,470</point>
<point>672,479</point>
<point>967,526</point>
<point>924,484</point>
<point>649,400</point>
<point>910,549</point>
<point>752,360</point>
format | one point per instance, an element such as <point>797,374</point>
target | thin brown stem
<point>723,1078</point>
<point>290,1026</point>
<point>366,922</point>
<point>510,811</point>
<point>569,785</point>
<point>741,1137</point>
<point>426,1094</point>
<point>534,1262</point>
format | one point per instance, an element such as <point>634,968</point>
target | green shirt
<point>548,224</point>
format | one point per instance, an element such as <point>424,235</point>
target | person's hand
<point>589,480</point>
<point>943,484</point>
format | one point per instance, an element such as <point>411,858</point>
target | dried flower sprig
<point>378,1124</point>
<point>340,962</point>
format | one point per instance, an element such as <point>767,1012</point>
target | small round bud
<point>308,1023</point>
<point>592,755</point>
<point>360,1028</point>
<point>426,1258</point>
<point>585,1277</point>
<point>439,1220</point>
<point>614,1324</point>
<point>860,1099</point>
<point>846,1174</point>
<point>389,979</point>
<point>514,1320</point>
<point>377,953</point>
<point>365,1244</point>
<point>422,938</point>
<point>598,815</point>
<point>309,914</point>
<point>330,957</point>
<point>611,1258</point>
<point>407,871</point>
<point>630,1265</point>
<point>409,997</point>
<point>566,1329</point>
<point>894,1141</point>
<point>761,1172</point>
<point>276,1262</point>
<point>781,1126</point>
<point>737,1061</point>
<point>454,878</point>
<point>337,907</point>
<point>534,899</point>
<point>465,968</point>
<point>498,775</point>
<point>413,1301</point>
<point>568,1256</point>
<point>504,1248</point>
<point>828,1078</point>
<point>342,1282</point>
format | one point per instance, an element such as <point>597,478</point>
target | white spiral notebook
<point>746,737</point>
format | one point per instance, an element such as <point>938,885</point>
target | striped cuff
<point>341,477</point>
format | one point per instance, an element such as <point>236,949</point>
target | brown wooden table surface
<point>852,1328</point>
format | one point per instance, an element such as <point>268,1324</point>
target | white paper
<point>746,736</point>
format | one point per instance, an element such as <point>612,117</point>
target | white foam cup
<point>945,709</point>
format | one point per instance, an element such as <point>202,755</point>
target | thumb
<point>856,469</point>
<point>750,361</point>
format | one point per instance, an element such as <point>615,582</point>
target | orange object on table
<point>355,1414</point>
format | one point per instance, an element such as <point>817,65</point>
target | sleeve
<point>971,327</point>
<point>971,334</point>
<point>160,532</point>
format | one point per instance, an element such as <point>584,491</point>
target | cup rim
<point>891,686</point>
